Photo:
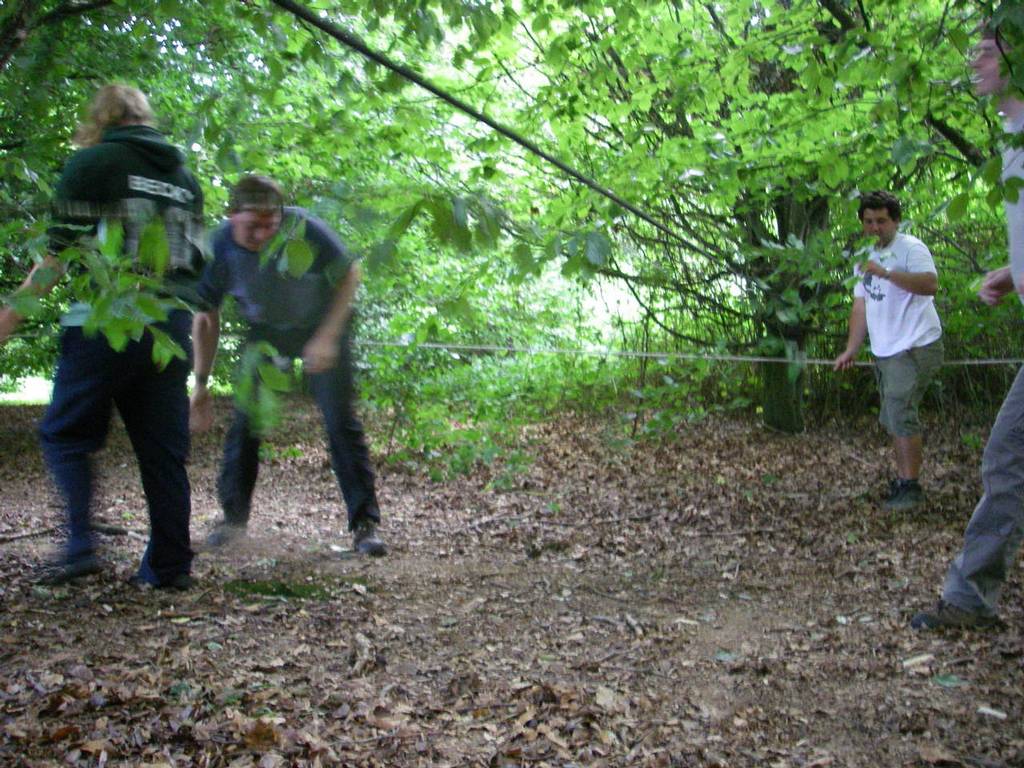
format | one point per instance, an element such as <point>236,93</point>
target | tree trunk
<point>782,384</point>
<point>783,396</point>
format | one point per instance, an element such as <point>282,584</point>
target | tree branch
<point>973,155</point>
<point>18,25</point>
<point>68,10</point>
<point>840,14</point>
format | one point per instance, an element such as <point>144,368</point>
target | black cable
<point>353,42</point>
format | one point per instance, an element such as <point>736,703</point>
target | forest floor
<point>735,597</point>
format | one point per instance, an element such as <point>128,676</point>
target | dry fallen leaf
<point>261,735</point>
<point>936,754</point>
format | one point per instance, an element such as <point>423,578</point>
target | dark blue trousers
<point>91,379</point>
<point>334,393</point>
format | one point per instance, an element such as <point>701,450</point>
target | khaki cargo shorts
<point>902,380</point>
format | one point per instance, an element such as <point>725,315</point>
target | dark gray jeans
<point>993,536</point>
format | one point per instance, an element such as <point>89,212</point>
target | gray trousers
<point>976,577</point>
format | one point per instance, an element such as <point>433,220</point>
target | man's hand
<point>320,354</point>
<point>874,268</point>
<point>9,320</point>
<point>200,409</point>
<point>995,285</point>
<point>844,361</point>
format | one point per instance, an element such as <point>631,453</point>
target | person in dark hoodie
<point>125,178</point>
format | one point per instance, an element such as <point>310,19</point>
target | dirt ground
<point>731,598</point>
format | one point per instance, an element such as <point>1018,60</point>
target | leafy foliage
<point>747,130</point>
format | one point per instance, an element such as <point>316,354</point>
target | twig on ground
<point>30,534</point>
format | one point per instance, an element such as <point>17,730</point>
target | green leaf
<point>274,378</point>
<point>393,83</point>
<point>458,307</point>
<point>906,150</point>
<point>992,170</point>
<point>165,348</point>
<point>460,212</point>
<point>112,240</point>
<point>597,248</point>
<point>25,303</point>
<point>116,336</point>
<point>578,265</point>
<point>522,256</point>
<point>835,171</point>
<point>403,222</point>
<point>381,256</point>
<point>154,250</point>
<point>488,227</point>
<point>441,218</point>
<point>957,207</point>
<point>1011,189</point>
<point>298,256</point>
<point>949,681</point>
<point>151,307</point>
<point>787,315</point>
<point>45,277</point>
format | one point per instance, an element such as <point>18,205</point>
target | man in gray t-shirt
<point>974,581</point>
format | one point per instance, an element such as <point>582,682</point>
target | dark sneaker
<point>948,616</point>
<point>365,540</point>
<point>224,534</point>
<point>63,572</point>
<point>180,583</point>
<point>904,494</point>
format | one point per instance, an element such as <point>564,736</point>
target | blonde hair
<point>113,105</point>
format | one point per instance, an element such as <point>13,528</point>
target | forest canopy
<point>744,132</point>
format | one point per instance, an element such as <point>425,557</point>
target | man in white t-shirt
<point>975,579</point>
<point>893,305</point>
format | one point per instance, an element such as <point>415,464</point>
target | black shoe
<point>948,616</point>
<point>63,572</point>
<point>365,540</point>
<point>904,494</point>
<point>224,534</point>
<point>180,583</point>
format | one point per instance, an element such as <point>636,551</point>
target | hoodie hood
<point>148,142</point>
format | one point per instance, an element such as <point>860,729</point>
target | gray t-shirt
<point>1013,165</point>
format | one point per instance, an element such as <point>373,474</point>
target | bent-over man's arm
<point>205,336</point>
<point>321,351</point>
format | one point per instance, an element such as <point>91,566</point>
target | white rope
<point>606,352</point>
<point>583,352</point>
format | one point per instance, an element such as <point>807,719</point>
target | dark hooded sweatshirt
<point>132,176</point>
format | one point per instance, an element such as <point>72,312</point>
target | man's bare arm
<point>321,351</point>
<point>205,336</point>
<point>40,281</point>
